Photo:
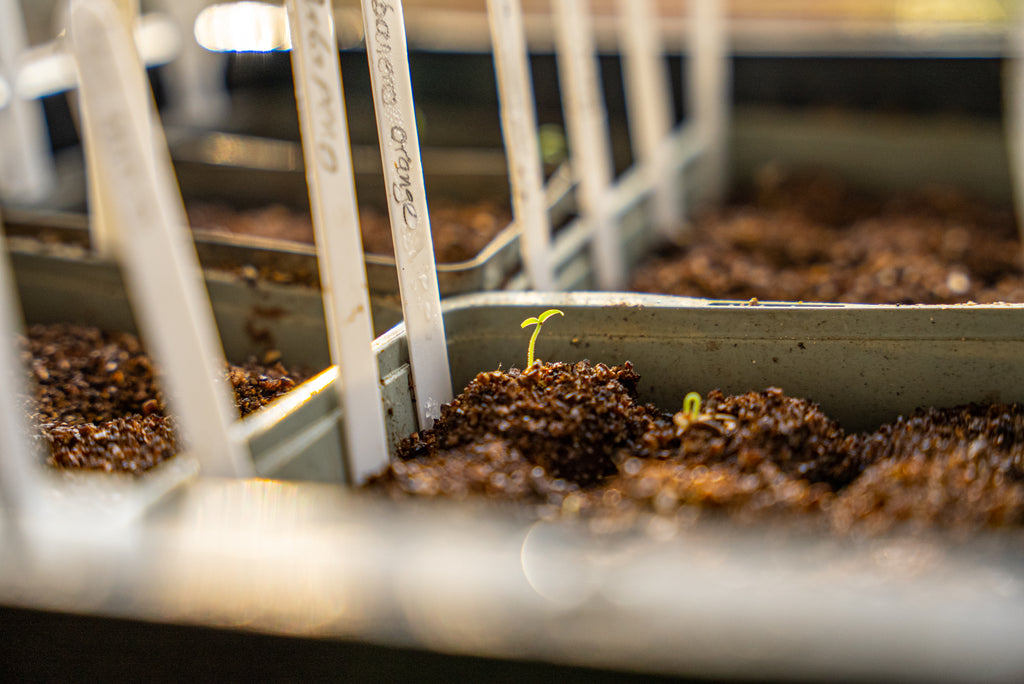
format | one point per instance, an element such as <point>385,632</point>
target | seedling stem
<point>691,405</point>
<point>539,322</point>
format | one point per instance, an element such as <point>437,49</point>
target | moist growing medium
<point>460,231</point>
<point>95,401</point>
<point>809,236</point>
<point>573,439</point>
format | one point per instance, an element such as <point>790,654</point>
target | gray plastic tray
<point>631,201</point>
<point>309,560</point>
<point>61,283</point>
<point>250,172</point>
<point>864,364</point>
<point>860,147</point>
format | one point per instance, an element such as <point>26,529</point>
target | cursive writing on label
<point>381,27</point>
<point>320,51</point>
<point>404,167</point>
<point>401,185</point>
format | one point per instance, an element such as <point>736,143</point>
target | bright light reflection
<point>243,27</point>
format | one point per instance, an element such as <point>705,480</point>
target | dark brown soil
<point>96,401</point>
<point>807,236</point>
<point>460,231</point>
<point>573,420</point>
<point>572,439</point>
<point>960,469</point>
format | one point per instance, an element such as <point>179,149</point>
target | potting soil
<point>811,237</point>
<point>96,402</point>
<point>460,231</point>
<point>572,440</point>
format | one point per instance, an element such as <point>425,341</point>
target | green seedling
<point>691,415</point>
<point>539,322</point>
<point>691,406</point>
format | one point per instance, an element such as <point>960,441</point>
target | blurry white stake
<point>158,258</point>
<point>1013,85</point>
<point>195,78</point>
<point>21,488</point>
<point>103,235</point>
<point>519,127</point>
<point>26,165</point>
<point>648,86</point>
<point>589,144</point>
<point>325,145</point>
<point>709,76</point>
<point>407,204</point>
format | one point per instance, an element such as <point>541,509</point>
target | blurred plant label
<point>116,111</point>
<point>162,273</point>
<point>315,48</point>
<point>329,175</point>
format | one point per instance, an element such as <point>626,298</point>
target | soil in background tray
<point>808,236</point>
<point>96,403</point>
<point>460,231</point>
<point>572,440</point>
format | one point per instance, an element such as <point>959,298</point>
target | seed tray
<point>58,282</point>
<point>252,176</point>
<point>632,205</point>
<point>246,171</point>
<point>714,602</point>
<point>864,364</point>
<point>859,147</point>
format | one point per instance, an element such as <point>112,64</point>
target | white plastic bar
<point>589,143</point>
<point>708,97</point>
<point>1013,76</point>
<point>161,269</point>
<point>519,129</point>
<point>103,234</point>
<point>27,172</point>
<point>648,90</point>
<point>195,79</point>
<point>129,11</point>
<point>325,145</point>
<point>407,204</point>
<point>21,488</point>
<point>48,69</point>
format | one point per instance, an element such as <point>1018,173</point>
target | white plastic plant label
<point>519,129</point>
<point>325,144</point>
<point>21,488</point>
<point>27,172</point>
<point>158,259</point>
<point>648,89</point>
<point>589,143</point>
<point>407,205</point>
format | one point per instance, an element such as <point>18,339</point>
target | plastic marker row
<point>143,224</point>
<point>145,228</point>
<point>155,253</point>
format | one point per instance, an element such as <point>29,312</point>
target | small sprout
<point>539,322</point>
<point>691,415</point>
<point>691,405</point>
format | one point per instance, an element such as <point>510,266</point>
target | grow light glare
<point>243,27</point>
